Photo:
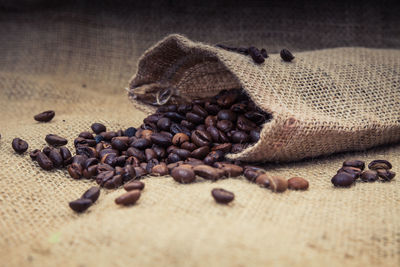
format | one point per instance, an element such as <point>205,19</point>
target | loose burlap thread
<point>326,101</point>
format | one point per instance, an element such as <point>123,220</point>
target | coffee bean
<point>19,145</point>
<point>251,175</point>
<point>236,148</point>
<point>354,163</point>
<point>45,116</point>
<point>86,135</point>
<point>225,148</point>
<point>369,176</point>
<point>114,182</point>
<point>150,164</point>
<point>154,118</point>
<point>108,135</point>
<point>90,172</point>
<point>65,154</point>
<point>193,162</point>
<point>80,205</point>
<point>264,53</point>
<point>200,111</point>
<point>386,175</point>
<point>254,136</point>
<point>343,179</point>
<point>103,177</point>
<point>380,164</point>
<point>159,169</point>
<point>212,109</point>
<point>150,154</point>
<point>134,185</point>
<point>161,140</point>
<point>55,140</point>
<point>128,198</point>
<point>44,161</point>
<point>286,55</point>
<point>109,159</point>
<point>184,108</point>
<point>164,124</point>
<point>132,151</point>
<point>355,172</point>
<point>277,183</point>
<point>226,114</point>
<point>297,183</point>
<point>182,153</point>
<point>146,134</point>
<point>120,161</point>
<point>256,55</point>
<point>194,118</point>
<point>240,137</point>
<point>262,180</point>
<point>173,158</point>
<point>256,117</point>
<point>222,196</point>
<point>75,170</point>
<point>201,138</point>
<point>92,193</point>
<point>231,170</point>
<point>213,157</point>
<point>98,138</point>
<point>179,139</point>
<point>98,128</point>
<point>119,144</point>
<point>101,167</point>
<point>208,172</point>
<point>130,131</point>
<point>244,124</point>
<point>140,171</point>
<point>225,101</point>
<point>33,154</point>
<point>225,125</point>
<point>188,125</point>
<point>106,151</point>
<point>200,153</point>
<point>183,175</point>
<point>79,159</point>
<point>56,158</point>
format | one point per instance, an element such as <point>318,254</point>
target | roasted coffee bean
<point>142,143</point>
<point>109,159</point>
<point>264,53</point>
<point>212,109</point>
<point>184,108</point>
<point>150,164</point>
<point>227,100</point>
<point>179,139</point>
<point>208,172</point>
<point>238,108</point>
<point>160,169</point>
<point>80,141</point>
<point>200,153</point>
<point>201,127</point>
<point>98,128</point>
<point>380,164</point>
<point>183,175</point>
<point>200,111</point>
<point>90,172</point>
<point>254,136</point>
<point>108,135</point>
<point>240,137</point>
<point>134,185</point>
<point>343,179</point>
<point>177,128</point>
<point>174,116</point>
<point>19,145</point>
<point>255,117</point>
<point>55,140</point>
<point>86,135</point>
<point>256,55</point>
<point>168,134</point>
<point>170,166</point>
<point>103,177</point>
<point>154,118</point>
<point>161,140</point>
<point>194,118</point>
<point>46,150</point>
<point>101,167</point>
<point>182,153</point>
<point>132,151</point>
<point>222,196</point>
<point>236,148</point>
<point>106,151</point>
<point>213,157</point>
<point>201,138</point>
<point>90,152</point>
<point>119,144</point>
<point>33,154</point>
<point>56,158</point>
<point>171,149</point>
<point>114,182</point>
<point>160,152</point>
<point>210,121</point>
<point>193,161</point>
<point>80,205</point>
<point>150,154</point>
<point>226,147</point>
<point>297,183</point>
<point>386,175</point>
<point>251,175</point>
<point>98,138</point>
<point>173,158</point>
<point>262,180</point>
<point>79,159</point>
<point>44,161</point>
<point>45,116</point>
<point>146,134</point>
<point>369,176</point>
<point>140,171</point>
<point>128,173</point>
<point>214,133</point>
<point>225,125</point>
<point>129,198</point>
<point>188,125</point>
<point>286,55</point>
<point>164,124</point>
<point>354,163</point>
<point>130,131</point>
<point>75,170</point>
<point>355,172</point>
<point>92,193</point>
<point>65,154</point>
<point>120,161</point>
<point>188,146</point>
<point>277,183</point>
<point>244,124</point>
<point>231,170</point>
<point>226,114</point>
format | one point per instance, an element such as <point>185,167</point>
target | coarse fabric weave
<point>325,101</point>
<point>78,64</point>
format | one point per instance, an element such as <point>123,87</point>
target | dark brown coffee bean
<point>214,133</point>
<point>244,124</point>
<point>161,140</point>
<point>150,154</point>
<point>19,145</point>
<point>142,143</point>
<point>65,153</point>
<point>200,111</point>
<point>194,162</point>
<point>90,172</point>
<point>213,157</point>
<point>380,164</point>
<point>150,164</point>
<point>173,158</point>
<point>201,138</point>
<point>354,163</point>
<point>98,128</point>
<point>386,175</point>
<point>75,170</point>
<point>236,148</point>
<point>140,171</point>
<point>90,152</point>
<point>79,141</point>
<point>129,132</point>
<point>179,139</point>
<point>355,172</point>
<point>262,180</point>
<point>45,116</point>
<point>56,158</point>
<point>159,169</point>
<point>106,151</point>
<point>108,135</point>
<point>222,196</point>
<point>256,117</point>
<point>231,170</point>
<point>86,135</point>
<point>194,118</point>
<point>264,53</point>
<point>254,136</point>
<point>177,128</point>
<point>80,205</point>
<point>146,134</point>
<point>132,151</point>
<point>174,165</point>
<point>212,109</point>
<point>134,185</point>
<point>164,124</point>
<point>183,175</point>
<point>188,125</point>
<point>79,159</point>
<point>109,159</point>
<point>46,150</point>
<point>184,108</point>
<point>120,161</point>
<point>171,149</point>
<point>33,154</point>
<point>256,55</point>
<point>114,182</point>
<point>154,118</point>
<point>182,153</point>
<point>225,148</point>
<point>101,167</point>
<point>128,173</point>
<point>226,114</point>
<point>240,137</point>
<point>238,108</point>
<point>227,100</point>
<point>201,152</point>
<point>210,121</point>
<point>343,179</point>
<point>44,161</point>
<point>251,175</point>
<point>92,193</point>
<point>225,125</point>
<point>119,144</point>
<point>55,140</point>
<point>208,172</point>
<point>277,183</point>
<point>103,177</point>
<point>286,55</point>
<point>201,127</point>
<point>297,183</point>
<point>369,176</point>
<point>188,146</point>
<point>160,151</point>
<point>129,198</point>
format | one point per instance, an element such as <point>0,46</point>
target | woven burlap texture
<point>326,101</point>
<point>46,57</point>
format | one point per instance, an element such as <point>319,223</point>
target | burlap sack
<point>326,101</point>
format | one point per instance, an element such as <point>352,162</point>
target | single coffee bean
<point>188,146</point>
<point>150,164</point>
<point>188,125</point>
<point>130,131</point>
<point>369,176</point>
<point>182,153</point>
<point>134,185</point>
<point>251,175</point>
<point>231,170</point>
<point>225,148</point>
<point>277,183</point>
<point>129,198</point>
<point>90,172</point>
<point>160,151</point>
<point>55,140</point>
<point>108,135</point>
<point>160,169</point>
<point>222,196</point>
<point>254,136</point>
<point>161,140</point>
<point>79,159</point>
<point>146,134</point>
<point>56,158</point>
<point>240,137</point>
<point>201,127</point>
<point>101,167</point>
<point>213,157</point>
<point>171,149</point>
<point>201,138</point>
<point>286,55</point>
<point>44,161</point>
<point>343,179</point>
<point>75,170</point>
<point>168,134</point>
<point>380,164</point>
<point>256,117</point>
<point>65,153</point>
<point>354,163</point>
<point>210,121</point>
<point>98,128</point>
<point>356,172</point>
<point>264,53</point>
<point>200,111</point>
<point>238,108</point>
<point>386,175</point>
<point>33,154</point>
<point>297,183</point>
<point>225,101</point>
<point>262,180</point>
<point>109,159</point>
<point>86,135</point>
<point>236,148</point>
<point>256,55</point>
<point>174,165</point>
<point>103,177</point>
<point>194,118</point>
<point>164,124</point>
<point>179,139</point>
<point>150,154</point>
<point>225,125</point>
<point>114,182</point>
<point>80,205</point>
<point>183,175</point>
<point>98,138</point>
<point>211,108</point>
<point>173,158</point>
<point>45,116</point>
<point>227,114</point>
<point>19,145</point>
<point>184,108</point>
<point>92,193</point>
<point>154,118</point>
<point>244,124</point>
<point>132,151</point>
<point>140,171</point>
<point>120,161</point>
<point>194,162</point>
<point>200,153</point>
<point>208,172</point>
<point>119,144</point>
<point>106,151</point>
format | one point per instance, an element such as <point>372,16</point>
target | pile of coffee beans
<point>258,55</point>
<point>353,169</point>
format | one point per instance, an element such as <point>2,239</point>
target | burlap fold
<point>325,101</point>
